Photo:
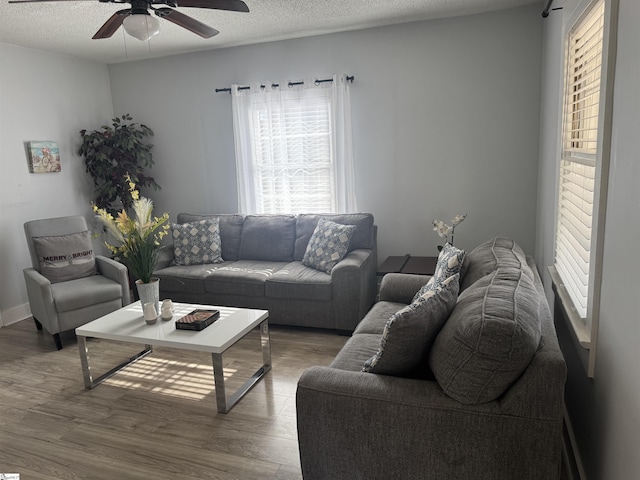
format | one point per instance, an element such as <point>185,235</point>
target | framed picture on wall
<point>44,157</point>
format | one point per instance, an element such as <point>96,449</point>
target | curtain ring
<point>317,83</point>
<point>274,86</point>
<point>290,84</point>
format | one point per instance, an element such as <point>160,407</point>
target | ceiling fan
<point>138,22</point>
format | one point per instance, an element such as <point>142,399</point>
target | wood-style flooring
<point>157,419</point>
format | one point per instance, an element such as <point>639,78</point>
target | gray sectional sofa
<point>263,268</point>
<point>486,401</point>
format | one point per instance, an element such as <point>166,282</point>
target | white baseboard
<point>15,314</point>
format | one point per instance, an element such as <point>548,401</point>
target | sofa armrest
<point>353,284</point>
<point>401,287</point>
<point>354,260</point>
<point>361,426</point>
<point>117,272</point>
<point>41,300</point>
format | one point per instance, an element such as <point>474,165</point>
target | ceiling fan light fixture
<point>141,25</point>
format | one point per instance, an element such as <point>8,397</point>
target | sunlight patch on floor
<point>168,377</point>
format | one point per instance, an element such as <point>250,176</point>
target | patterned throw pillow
<point>197,243</point>
<point>328,245</point>
<point>65,257</point>
<point>449,263</point>
<point>410,332</point>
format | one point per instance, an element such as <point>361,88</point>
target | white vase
<point>149,292</point>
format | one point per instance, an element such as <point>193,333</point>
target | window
<point>578,157</point>
<point>293,148</point>
<point>583,173</point>
<point>292,156</point>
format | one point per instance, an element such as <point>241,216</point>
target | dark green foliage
<point>113,153</point>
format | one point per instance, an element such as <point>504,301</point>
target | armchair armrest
<point>401,287</point>
<point>41,299</point>
<point>117,272</point>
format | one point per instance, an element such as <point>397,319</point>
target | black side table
<point>408,264</point>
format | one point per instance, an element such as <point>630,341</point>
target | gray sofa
<point>472,410</point>
<point>263,268</point>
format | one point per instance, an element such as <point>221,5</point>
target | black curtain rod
<point>290,84</point>
<point>545,12</point>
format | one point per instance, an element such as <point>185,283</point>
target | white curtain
<point>293,147</point>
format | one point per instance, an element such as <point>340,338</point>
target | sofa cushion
<point>363,237</point>
<point>449,263</point>
<point>377,317</point>
<point>328,245</point>
<point>84,292</point>
<point>65,257</point>
<point>230,231</point>
<point>297,281</point>
<point>356,351</point>
<point>496,253</point>
<point>490,338</point>
<point>410,333</point>
<point>189,278</point>
<point>244,277</point>
<point>268,237</point>
<point>196,243</point>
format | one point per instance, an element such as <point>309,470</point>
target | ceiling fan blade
<point>111,25</point>
<point>39,1</point>
<point>186,21</point>
<point>232,5</point>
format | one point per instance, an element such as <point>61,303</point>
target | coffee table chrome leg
<point>265,340</point>
<point>84,361</point>
<point>224,405</point>
<point>218,379</point>
<point>89,382</point>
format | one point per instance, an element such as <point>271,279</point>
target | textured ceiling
<point>66,26</point>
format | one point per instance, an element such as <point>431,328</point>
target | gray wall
<point>43,96</point>
<point>445,115</point>
<point>458,134</point>
<point>605,410</point>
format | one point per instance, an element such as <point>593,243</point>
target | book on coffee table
<point>198,319</point>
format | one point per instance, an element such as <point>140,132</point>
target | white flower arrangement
<point>444,230</point>
<point>135,241</point>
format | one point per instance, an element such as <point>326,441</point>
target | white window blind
<point>293,147</point>
<point>292,161</point>
<point>574,238</point>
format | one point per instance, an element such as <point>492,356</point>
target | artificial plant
<point>135,240</point>
<point>115,155</point>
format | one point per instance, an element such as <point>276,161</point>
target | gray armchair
<point>57,302</point>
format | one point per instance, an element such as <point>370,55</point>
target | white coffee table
<point>128,325</point>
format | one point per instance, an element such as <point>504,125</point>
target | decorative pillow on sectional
<point>196,243</point>
<point>66,257</point>
<point>411,331</point>
<point>449,263</point>
<point>328,245</point>
<point>364,236</point>
<point>489,339</point>
<point>230,231</point>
